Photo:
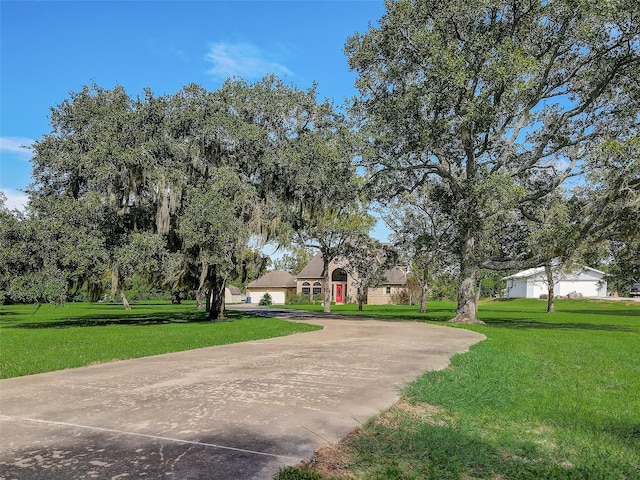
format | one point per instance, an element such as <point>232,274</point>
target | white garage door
<point>276,297</point>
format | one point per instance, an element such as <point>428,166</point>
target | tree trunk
<point>114,283</point>
<point>176,298</point>
<point>360,295</point>
<point>467,300</point>
<point>423,298</point>
<point>220,305</point>
<point>550,288</point>
<point>215,297</point>
<point>201,288</point>
<point>125,302</point>
<point>199,299</point>
<point>116,287</point>
<point>423,290</point>
<point>327,283</point>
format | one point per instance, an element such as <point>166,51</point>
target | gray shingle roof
<point>278,278</point>
<point>395,276</point>
<point>313,269</point>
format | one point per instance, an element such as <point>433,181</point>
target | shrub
<point>401,297</point>
<point>265,300</point>
<point>302,299</point>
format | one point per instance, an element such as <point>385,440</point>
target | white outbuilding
<point>232,294</point>
<point>532,283</point>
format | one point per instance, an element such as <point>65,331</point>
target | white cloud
<point>242,60</point>
<point>17,145</point>
<point>15,199</point>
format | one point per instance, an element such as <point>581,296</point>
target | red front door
<point>338,293</point>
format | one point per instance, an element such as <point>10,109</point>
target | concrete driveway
<point>238,411</point>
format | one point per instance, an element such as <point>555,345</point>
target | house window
<point>387,290</point>
<point>339,275</point>
<point>306,288</point>
<point>317,288</point>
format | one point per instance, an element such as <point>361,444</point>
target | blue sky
<point>51,48</point>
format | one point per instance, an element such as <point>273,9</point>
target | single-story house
<point>277,284</point>
<point>232,294</point>
<point>311,282</point>
<point>532,283</point>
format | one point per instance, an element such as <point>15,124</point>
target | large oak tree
<point>177,184</point>
<point>502,101</point>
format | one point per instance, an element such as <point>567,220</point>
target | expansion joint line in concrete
<point>144,435</point>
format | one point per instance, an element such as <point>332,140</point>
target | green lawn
<point>76,334</point>
<point>544,397</point>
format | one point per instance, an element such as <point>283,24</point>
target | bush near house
<point>265,300</point>
<point>400,298</point>
<point>301,299</point>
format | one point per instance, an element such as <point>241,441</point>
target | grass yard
<point>76,334</point>
<point>544,397</point>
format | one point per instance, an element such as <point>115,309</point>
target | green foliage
<point>491,283</point>
<point>140,289</point>
<point>49,257</point>
<point>422,234</point>
<point>265,300</point>
<point>401,298</point>
<point>443,287</point>
<point>302,299</point>
<point>624,267</point>
<point>35,340</point>
<point>295,261</point>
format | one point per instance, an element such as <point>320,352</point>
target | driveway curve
<point>237,411</point>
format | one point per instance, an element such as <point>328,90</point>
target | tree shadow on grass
<point>626,432</point>
<point>150,319</point>
<point>631,312</point>
<point>424,450</point>
<point>519,323</point>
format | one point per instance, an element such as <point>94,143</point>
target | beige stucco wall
<point>311,281</point>
<point>348,290</point>
<point>377,296</point>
